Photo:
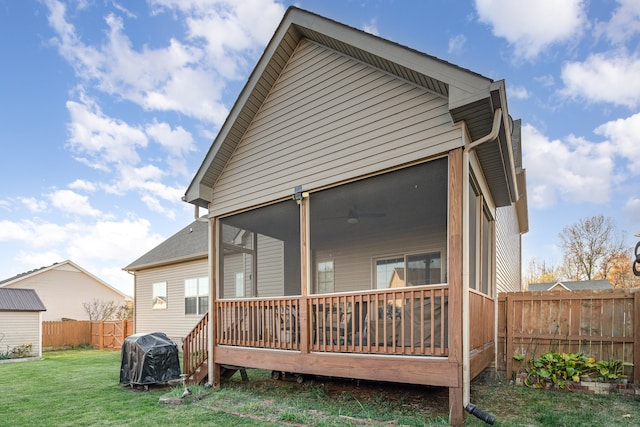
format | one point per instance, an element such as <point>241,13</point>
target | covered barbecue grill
<point>149,359</point>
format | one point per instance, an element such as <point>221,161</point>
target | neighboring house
<point>20,320</point>
<point>64,287</point>
<point>171,283</point>
<point>345,158</point>
<point>580,285</point>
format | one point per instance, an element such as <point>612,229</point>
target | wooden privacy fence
<point>601,324</point>
<point>107,334</point>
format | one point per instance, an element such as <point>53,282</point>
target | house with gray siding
<point>171,283</point>
<point>365,204</point>
<point>20,320</point>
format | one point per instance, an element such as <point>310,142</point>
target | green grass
<point>80,387</point>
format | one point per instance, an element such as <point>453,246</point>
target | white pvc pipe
<point>469,146</point>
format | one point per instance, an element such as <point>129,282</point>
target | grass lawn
<point>80,387</point>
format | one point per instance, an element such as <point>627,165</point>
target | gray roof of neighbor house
<point>14,299</point>
<point>187,244</point>
<point>573,285</point>
<point>473,98</point>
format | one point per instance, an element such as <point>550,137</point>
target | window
<point>159,296</point>
<point>390,273</point>
<point>325,277</point>
<point>196,295</point>
<point>402,213</point>
<point>409,270</point>
<point>481,241</point>
<point>240,284</point>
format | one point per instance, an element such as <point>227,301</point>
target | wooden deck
<point>398,335</point>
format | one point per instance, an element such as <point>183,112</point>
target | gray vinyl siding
<point>270,269</point>
<point>327,119</point>
<point>508,250</point>
<point>21,327</point>
<point>171,320</point>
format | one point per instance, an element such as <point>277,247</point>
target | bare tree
<point>540,272</point>
<point>99,309</point>
<point>590,248</point>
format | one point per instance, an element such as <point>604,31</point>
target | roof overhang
<point>472,97</point>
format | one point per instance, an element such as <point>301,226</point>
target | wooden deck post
<point>304,327</point>
<point>456,394</point>
<point>212,368</point>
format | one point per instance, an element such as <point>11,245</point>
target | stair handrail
<point>195,347</point>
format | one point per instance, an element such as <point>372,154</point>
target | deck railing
<point>482,325</point>
<point>195,347</point>
<point>410,321</point>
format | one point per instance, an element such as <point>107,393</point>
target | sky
<point>108,107</point>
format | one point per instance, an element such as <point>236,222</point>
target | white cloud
<point>33,233</point>
<point>456,44</point>
<point>565,169</point>
<point>96,246</point>
<point>518,92</point>
<point>71,202</point>
<point>609,78</point>
<point>221,40</point>
<point>103,139</point>
<point>624,22</point>
<point>623,135</point>
<point>371,27</point>
<point>83,185</point>
<point>154,205</point>
<point>32,260</point>
<point>228,28</point>
<point>32,204</point>
<point>176,141</point>
<point>534,25</point>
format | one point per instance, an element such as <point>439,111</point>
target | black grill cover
<point>149,359</point>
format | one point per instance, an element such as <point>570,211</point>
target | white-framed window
<point>239,284</point>
<point>196,295</point>
<point>159,296</point>
<point>408,270</point>
<point>325,277</point>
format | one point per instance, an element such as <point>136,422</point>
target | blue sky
<point>107,109</point>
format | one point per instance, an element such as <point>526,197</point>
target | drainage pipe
<point>468,148</point>
<point>478,413</point>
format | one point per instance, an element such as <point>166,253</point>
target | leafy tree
<point>591,247</point>
<point>620,275</point>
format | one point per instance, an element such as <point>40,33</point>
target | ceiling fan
<point>354,215</point>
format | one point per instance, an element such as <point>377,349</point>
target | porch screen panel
<point>260,252</point>
<point>381,231</point>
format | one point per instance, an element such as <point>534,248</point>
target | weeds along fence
<point>601,324</point>
<point>107,334</point>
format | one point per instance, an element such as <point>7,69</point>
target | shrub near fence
<point>601,324</point>
<point>100,334</point>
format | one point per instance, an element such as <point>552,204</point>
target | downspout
<point>196,214</point>
<point>468,148</point>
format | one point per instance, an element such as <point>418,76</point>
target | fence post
<point>508,333</point>
<point>101,331</point>
<point>636,338</point>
